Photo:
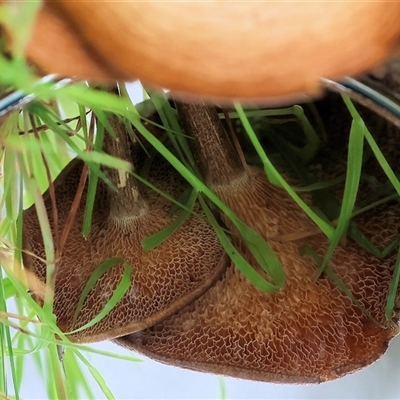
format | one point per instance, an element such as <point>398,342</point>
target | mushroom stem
<point>217,156</point>
<point>126,202</point>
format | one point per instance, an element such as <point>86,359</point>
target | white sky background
<point>151,380</point>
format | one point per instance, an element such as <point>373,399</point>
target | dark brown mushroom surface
<point>308,332</point>
<point>163,280</point>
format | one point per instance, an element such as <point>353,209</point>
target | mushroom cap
<point>246,50</point>
<point>163,280</point>
<point>308,332</point>
<point>52,35</point>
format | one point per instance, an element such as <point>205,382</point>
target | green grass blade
<point>46,235</point>
<point>10,179</point>
<point>89,157</point>
<point>20,22</point>
<point>340,284</point>
<point>277,179</point>
<point>247,270</point>
<point>382,161</point>
<point>9,289</point>
<point>7,342</point>
<point>102,120</point>
<point>260,113</point>
<point>94,277</point>
<point>319,185</point>
<point>76,377</point>
<point>366,244</point>
<point>97,376</point>
<point>353,173</point>
<point>55,384</point>
<point>263,253</point>
<point>222,389</point>
<point>178,205</point>
<point>97,99</point>
<point>313,142</point>
<point>152,241</point>
<point>4,344</point>
<point>117,295</point>
<point>374,146</point>
<point>169,119</point>
<point>245,231</point>
<point>110,354</point>
<point>20,362</point>
<point>394,284</point>
<point>94,172</point>
<point>337,281</point>
<point>90,199</point>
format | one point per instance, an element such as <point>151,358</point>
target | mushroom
<point>163,280</point>
<point>246,50</point>
<point>307,332</point>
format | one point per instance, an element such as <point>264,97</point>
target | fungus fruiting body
<point>308,332</point>
<point>216,49</point>
<point>163,280</point>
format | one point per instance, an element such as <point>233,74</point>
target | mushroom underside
<point>308,332</point>
<point>162,280</point>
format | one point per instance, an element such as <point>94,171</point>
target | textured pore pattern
<point>163,280</point>
<point>308,332</point>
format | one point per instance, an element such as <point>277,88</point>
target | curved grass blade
<point>276,178</point>
<point>89,157</point>
<point>313,142</point>
<point>374,146</point>
<point>107,353</point>
<point>75,376</point>
<point>55,384</point>
<point>20,362</point>
<point>97,99</point>
<point>168,117</point>
<point>94,172</point>
<point>274,267</point>
<point>119,292</point>
<point>366,244</point>
<point>353,173</point>
<point>337,281</point>
<point>47,236</point>
<point>96,375</point>
<point>259,244</point>
<point>152,241</point>
<point>222,389</point>
<point>394,284</point>
<point>6,343</point>
<point>9,289</point>
<point>319,185</point>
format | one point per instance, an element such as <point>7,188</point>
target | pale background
<point>151,380</point>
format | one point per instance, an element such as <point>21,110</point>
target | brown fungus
<point>307,332</point>
<point>163,280</point>
<point>208,41</point>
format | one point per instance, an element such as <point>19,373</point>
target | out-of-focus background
<point>152,380</point>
